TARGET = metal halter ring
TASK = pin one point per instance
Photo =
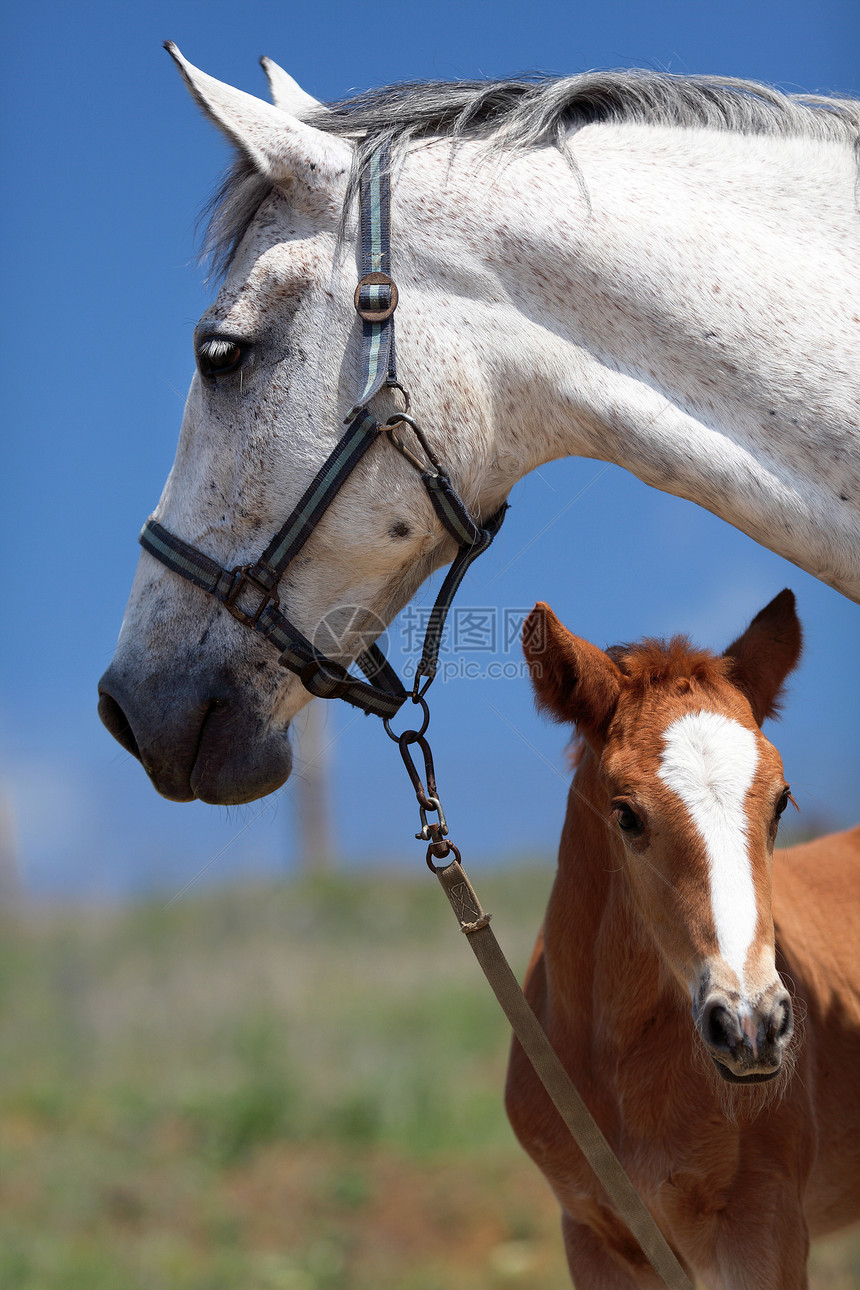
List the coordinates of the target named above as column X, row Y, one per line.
column 395, row 385
column 437, row 868
column 416, row 734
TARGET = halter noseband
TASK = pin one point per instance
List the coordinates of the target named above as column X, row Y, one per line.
column 250, row 591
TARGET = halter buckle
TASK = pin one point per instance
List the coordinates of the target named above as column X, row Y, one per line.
column 375, row 297
column 241, row 575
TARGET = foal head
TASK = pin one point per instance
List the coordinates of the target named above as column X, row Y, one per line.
column 692, row 792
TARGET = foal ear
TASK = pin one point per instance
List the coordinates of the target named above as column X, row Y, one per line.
column 287, row 94
column 280, row 146
column 573, row 680
column 766, row 653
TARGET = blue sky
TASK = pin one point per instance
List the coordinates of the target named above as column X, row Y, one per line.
column 107, row 163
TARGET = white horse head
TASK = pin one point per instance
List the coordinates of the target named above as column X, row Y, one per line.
column 577, row 274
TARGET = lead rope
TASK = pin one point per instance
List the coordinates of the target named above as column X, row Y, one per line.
column 475, row 923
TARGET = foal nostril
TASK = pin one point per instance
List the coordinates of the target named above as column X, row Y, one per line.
column 117, row 723
column 718, row 1027
column 781, row 1021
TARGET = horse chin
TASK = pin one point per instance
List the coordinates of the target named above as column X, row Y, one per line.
column 225, row 774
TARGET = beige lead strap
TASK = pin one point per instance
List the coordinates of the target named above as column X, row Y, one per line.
column 570, row 1106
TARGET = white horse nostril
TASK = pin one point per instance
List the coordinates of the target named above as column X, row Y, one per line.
column 115, row 720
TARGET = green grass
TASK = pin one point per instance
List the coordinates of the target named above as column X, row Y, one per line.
column 295, row 1087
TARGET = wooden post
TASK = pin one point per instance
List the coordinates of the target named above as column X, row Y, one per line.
column 10, row 876
column 313, row 797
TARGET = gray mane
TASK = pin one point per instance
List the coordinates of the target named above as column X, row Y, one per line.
column 534, row 112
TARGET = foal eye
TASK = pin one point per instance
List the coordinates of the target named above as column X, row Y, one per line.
column 217, row 357
column 784, row 799
column 627, row 819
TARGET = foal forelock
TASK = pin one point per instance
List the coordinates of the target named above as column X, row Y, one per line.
column 709, row 762
column 535, row 112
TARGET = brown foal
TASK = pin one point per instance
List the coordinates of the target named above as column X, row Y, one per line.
column 703, row 994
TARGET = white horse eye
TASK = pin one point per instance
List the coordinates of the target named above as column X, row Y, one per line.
column 217, row 357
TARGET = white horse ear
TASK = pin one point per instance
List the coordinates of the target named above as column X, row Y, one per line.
column 286, row 93
column 281, row 147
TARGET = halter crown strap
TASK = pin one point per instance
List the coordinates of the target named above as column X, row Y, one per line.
column 376, row 293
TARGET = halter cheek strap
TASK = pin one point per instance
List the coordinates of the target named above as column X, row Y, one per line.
column 250, row 592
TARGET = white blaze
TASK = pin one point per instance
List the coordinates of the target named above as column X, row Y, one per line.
column 709, row 761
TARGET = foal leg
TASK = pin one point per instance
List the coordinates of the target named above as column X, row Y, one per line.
column 763, row 1248
column 592, row 1267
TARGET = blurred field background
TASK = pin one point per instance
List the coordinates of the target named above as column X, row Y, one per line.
column 297, row 1086
column 286, row 1087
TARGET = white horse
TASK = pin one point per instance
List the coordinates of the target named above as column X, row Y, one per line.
column 651, row 270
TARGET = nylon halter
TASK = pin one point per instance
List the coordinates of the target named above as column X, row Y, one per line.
column 250, row 591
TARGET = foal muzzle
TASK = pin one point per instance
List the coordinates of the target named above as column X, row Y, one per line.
column 747, row 1042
